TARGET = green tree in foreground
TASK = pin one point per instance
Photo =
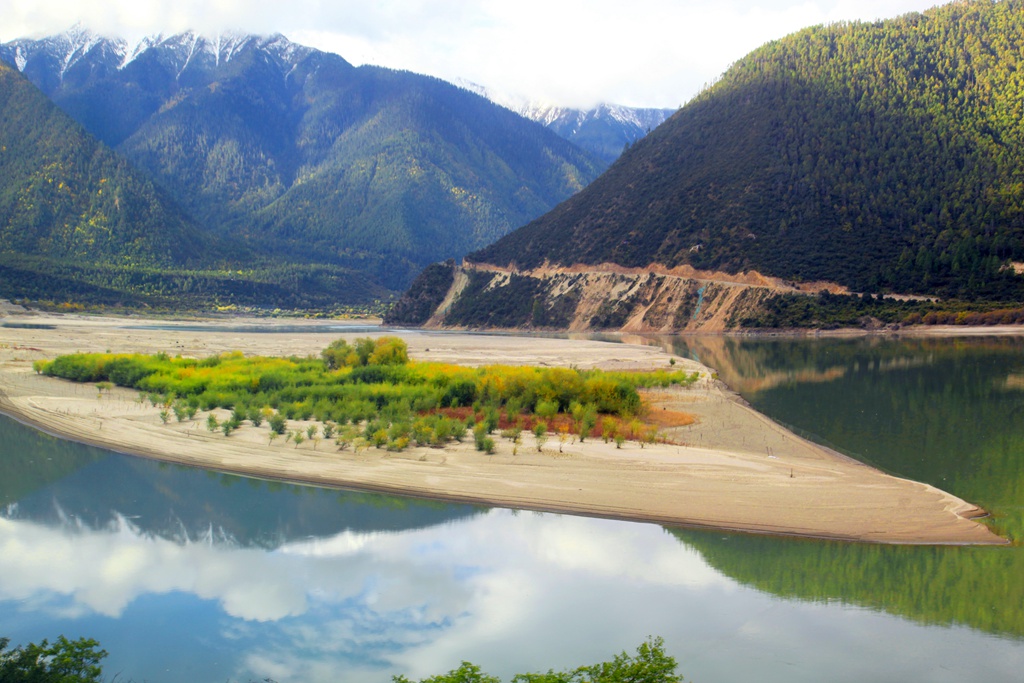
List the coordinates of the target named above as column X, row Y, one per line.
column 78, row 661
column 66, row 661
column 650, row 664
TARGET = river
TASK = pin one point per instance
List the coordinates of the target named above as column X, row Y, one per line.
column 189, row 575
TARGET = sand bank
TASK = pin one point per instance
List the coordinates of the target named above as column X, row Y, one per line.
column 733, row 469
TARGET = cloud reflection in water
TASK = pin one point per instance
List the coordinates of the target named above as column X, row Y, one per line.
column 411, row 600
column 512, row 592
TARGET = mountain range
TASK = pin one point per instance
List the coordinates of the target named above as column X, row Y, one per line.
column 289, row 153
column 78, row 223
column 605, row 130
column 882, row 157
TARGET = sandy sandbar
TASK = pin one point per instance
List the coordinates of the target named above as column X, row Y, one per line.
column 734, row 469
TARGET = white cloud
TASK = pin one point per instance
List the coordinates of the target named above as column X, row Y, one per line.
column 104, row 571
column 575, row 52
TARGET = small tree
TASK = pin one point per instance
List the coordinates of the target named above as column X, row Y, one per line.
column 255, row 416
column 491, row 418
column 636, row 430
column 481, row 439
column 278, row 423
column 609, row 428
column 336, row 355
column 576, row 409
column 442, row 431
column 513, row 407
column 346, row 435
column 389, row 351
column 363, row 349
column 587, row 421
column 180, row 409
column 459, row 429
column 540, row 432
column 211, row 422
column 512, row 433
column 422, row 431
column 546, row 409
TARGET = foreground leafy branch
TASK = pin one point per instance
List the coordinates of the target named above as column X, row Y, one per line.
column 78, row 661
column 65, row 661
column 650, row 664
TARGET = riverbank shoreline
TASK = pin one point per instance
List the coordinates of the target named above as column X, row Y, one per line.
column 732, row 470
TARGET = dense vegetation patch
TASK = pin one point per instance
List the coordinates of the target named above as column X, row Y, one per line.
column 831, row 311
column 369, row 390
column 262, row 285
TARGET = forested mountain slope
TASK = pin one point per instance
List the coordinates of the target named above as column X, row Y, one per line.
column 884, row 156
column 300, row 154
column 79, row 224
column 65, row 195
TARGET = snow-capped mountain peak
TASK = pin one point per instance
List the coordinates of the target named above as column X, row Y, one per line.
column 603, row 130
column 63, row 52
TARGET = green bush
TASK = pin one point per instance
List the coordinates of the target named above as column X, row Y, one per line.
column 650, row 664
column 66, row 661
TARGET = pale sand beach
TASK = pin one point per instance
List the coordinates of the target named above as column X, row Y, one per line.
column 733, row 469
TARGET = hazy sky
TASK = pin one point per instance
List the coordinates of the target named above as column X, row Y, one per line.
column 570, row 52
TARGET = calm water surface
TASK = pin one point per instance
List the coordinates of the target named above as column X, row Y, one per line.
column 187, row 575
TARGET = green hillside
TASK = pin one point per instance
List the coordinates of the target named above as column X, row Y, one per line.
column 66, row 196
column 79, row 224
column 425, row 172
column 884, row 156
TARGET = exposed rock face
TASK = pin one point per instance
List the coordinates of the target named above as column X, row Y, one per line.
column 587, row 298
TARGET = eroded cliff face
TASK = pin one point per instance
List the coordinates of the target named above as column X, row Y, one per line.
column 597, row 298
